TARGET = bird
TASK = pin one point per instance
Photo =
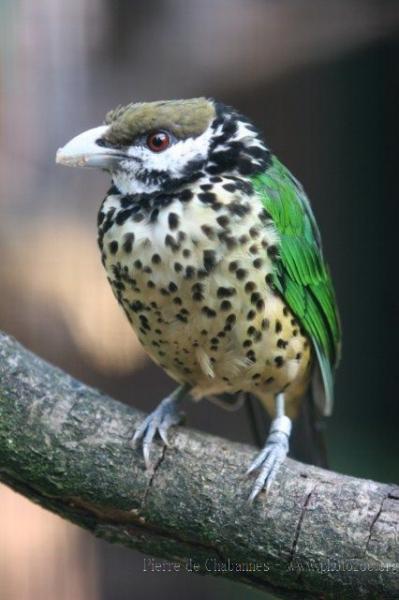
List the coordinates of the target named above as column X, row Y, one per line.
column 213, row 252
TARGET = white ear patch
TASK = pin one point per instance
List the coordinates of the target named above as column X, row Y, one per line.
column 173, row 161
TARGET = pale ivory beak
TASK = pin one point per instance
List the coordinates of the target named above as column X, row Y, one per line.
column 82, row 151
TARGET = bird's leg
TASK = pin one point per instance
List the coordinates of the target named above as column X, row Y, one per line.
column 159, row 421
column 274, row 451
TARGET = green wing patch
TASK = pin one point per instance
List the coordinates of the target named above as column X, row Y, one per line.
column 301, row 274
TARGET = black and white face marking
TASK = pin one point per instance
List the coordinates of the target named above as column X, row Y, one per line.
column 160, row 159
column 145, row 169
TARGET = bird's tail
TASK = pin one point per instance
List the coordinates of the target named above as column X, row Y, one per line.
column 308, row 442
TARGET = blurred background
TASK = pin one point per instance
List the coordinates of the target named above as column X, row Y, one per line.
column 321, row 80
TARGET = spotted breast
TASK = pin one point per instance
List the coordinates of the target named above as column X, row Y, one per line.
column 192, row 271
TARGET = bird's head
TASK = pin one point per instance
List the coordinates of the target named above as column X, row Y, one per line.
column 158, row 146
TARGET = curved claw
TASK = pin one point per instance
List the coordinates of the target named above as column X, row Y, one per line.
column 268, row 462
column 169, row 421
column 158, row 422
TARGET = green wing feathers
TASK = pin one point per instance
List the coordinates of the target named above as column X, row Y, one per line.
column 301, row 274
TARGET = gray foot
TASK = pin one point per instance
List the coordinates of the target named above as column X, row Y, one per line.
column 271, row 457
column 158, row 422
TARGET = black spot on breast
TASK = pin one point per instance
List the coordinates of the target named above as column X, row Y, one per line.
column 128, row 242
column 173, row 220
column 113, row 247
column 282, row 344
column 233, row 266
column 225, row 305
column 172, row 287
column 278, row 327
column 250, row 286
column 238, row 209
column 229, row 240
column 272, row 252
column 251, row 355
column 257, row 263
column 255, row 297
column 241, row 274
column 156, row 259
column 254, row 232
column 197, row 291
column 198, row 297
column 138, row 264
column 209, row 259
column 223, row 220
column 260, row 305
column 206, row 187
column 185, row 195
column 181, row 318
column 209, row 312
column 207, row 197
column 137, row 218
column 279, row 361
column 171, row 242
column 226, row 292
column 229, row 187
column 251, row 315
column 209, row 232
column 178, row 267
column 190, row 272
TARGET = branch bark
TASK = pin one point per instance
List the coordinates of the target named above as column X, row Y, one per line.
column 317, row 534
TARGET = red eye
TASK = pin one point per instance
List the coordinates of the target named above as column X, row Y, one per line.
column 158, row 141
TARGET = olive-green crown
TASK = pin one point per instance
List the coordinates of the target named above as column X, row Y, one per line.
column 183, row 118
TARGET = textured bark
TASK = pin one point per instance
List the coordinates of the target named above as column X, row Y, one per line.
column 316, row 535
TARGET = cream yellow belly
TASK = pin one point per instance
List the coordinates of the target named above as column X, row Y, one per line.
column 200, row 300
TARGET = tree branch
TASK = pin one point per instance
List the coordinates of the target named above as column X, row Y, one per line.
column 317, row 534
